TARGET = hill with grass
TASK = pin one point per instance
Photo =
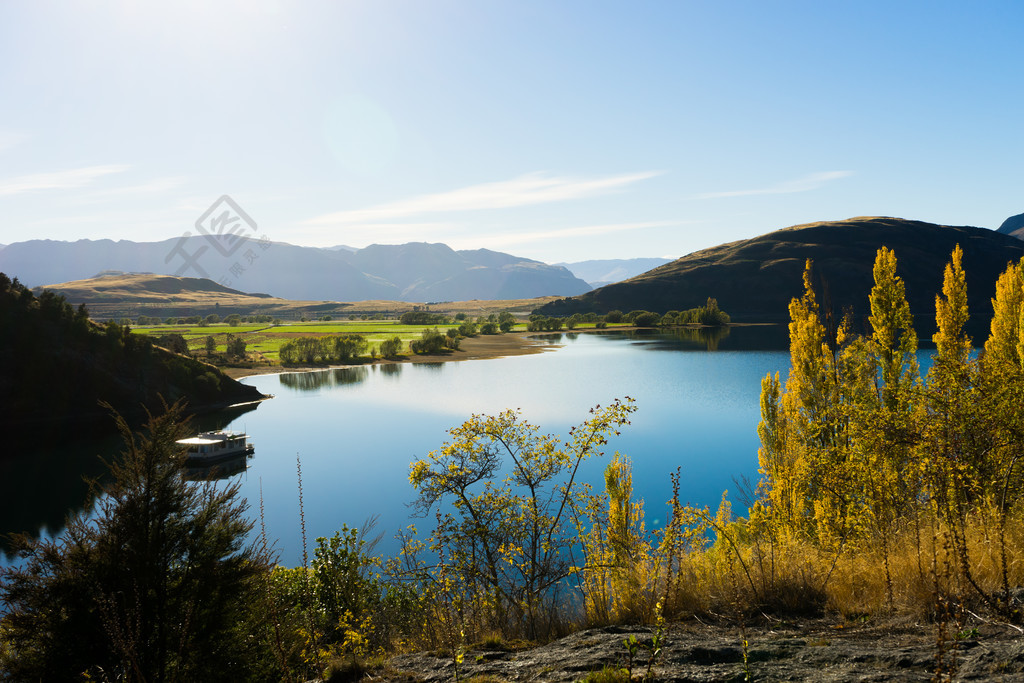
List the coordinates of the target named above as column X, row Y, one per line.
column 754, row 280
column 56, row 366
column 116, row 295
column 416, row 271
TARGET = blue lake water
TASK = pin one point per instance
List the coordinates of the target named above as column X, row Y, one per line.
column 357, row 429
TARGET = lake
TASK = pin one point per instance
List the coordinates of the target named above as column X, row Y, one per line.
column 355, row 430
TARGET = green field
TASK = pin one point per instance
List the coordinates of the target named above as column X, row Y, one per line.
column 263, row 341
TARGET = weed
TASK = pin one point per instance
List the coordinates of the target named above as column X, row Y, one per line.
column 608, row 674
column 632, row 649
column 967, row 634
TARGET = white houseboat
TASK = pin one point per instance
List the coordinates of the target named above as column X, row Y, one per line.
column 208, row 448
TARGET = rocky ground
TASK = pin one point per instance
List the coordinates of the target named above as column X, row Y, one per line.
column 816, row 650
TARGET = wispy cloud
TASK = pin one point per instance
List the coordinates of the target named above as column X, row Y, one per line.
column 805, row 184
column 153, row 186
column 513, row 238
column 533, row 188
column 58, row 180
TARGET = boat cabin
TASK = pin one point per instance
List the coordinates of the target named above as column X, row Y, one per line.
column 216, row 445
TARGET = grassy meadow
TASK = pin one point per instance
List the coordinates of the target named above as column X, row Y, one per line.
column 263, row 341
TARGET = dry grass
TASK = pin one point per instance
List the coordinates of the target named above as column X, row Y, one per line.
column 792, row 577
column 131, row 295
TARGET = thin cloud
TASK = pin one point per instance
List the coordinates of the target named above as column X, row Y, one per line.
column 158, row 185
column 526, row 190
column 805, row 184
column 380, row 233
column 58, row 180
column 152, row 187
column 508, row 239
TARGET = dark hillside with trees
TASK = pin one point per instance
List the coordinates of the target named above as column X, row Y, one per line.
column 754, row 280
column 57, row 366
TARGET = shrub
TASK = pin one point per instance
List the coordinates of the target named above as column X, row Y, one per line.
column 430, row 341
column 390, row 348
column 423, row 318
column 502, row 545
column 645, row 318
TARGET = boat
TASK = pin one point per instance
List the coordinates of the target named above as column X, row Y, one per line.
column 209, row 448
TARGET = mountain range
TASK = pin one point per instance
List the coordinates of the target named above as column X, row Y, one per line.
column 753, row 280
column 600, row 272
column 416, row 271
column 1014, row 226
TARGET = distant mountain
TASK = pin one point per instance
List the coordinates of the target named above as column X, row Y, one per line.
column 341, row 247
column 1014, row 226
column 754, row 280
column 598, row 273
column 407, row 272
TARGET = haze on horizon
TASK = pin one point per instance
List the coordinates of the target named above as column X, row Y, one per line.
column 555, row 131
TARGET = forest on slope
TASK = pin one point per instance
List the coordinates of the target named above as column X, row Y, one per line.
column 57, row 366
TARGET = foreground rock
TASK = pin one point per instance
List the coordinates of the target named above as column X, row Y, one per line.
column 818, row 650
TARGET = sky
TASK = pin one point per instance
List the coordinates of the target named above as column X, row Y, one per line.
column 559, row 130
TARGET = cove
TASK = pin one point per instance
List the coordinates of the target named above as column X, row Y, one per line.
column 355, row 430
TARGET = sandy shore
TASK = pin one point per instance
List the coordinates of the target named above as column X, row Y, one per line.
column 472, row 348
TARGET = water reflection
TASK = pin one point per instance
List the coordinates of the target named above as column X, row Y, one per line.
column 222, row 470
column 552, row 339
column 43, row 480
column 745, row 338
column 390, row 369
column 432, row 365
column 320, row 379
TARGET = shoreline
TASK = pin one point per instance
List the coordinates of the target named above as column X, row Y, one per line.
column 481, row 347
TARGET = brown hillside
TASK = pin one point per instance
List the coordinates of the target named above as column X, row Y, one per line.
column 129, row 295
column 754, row 280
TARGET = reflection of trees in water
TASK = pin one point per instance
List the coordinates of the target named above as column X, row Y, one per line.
column 436, row 367
column 390, row 369
column 550, row 339
column 680, row 338
column 41, row 482
column 311, row 381
column 742, row 338
column 708, row 337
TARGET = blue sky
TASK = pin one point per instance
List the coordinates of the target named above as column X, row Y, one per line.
column 553, row 129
